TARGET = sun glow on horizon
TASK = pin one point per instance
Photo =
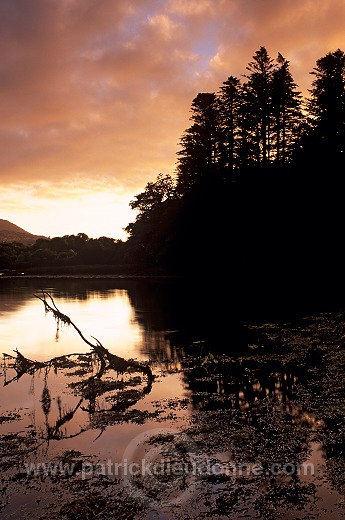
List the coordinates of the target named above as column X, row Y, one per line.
column 96, row 214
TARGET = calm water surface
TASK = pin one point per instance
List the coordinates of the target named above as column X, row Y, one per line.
column 115, row 316
column 62, row 411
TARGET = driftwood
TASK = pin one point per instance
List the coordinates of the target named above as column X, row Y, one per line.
column 117, row 363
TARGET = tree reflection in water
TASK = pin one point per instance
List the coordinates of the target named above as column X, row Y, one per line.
column 105, row 384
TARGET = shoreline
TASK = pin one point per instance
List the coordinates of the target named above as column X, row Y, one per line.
column 89, row 276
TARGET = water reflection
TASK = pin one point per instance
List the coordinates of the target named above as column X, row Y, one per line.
column 103, row 313
column 66, row 393
column 140, row 309
column 246, row 386
column 76, row 383
column 152, row 321
column 241, row 384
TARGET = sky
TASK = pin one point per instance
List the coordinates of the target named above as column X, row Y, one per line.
column 95, row 94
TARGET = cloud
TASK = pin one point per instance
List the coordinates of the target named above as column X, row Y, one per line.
column 90, row 88
column 301, row 31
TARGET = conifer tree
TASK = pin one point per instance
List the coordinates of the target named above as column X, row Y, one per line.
column 257, row 103
column 199, row 155
column 327, row 104
column 229, row 107
column 286, row 111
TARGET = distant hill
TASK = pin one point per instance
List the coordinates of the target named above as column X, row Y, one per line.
column 11, row 233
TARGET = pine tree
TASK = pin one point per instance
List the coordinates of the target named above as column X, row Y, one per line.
column 199, row 155
column 258, row 103
column 327, row 104
column 229, row 107
column 286, row 111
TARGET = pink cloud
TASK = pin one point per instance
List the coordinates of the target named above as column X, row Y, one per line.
column 102, row 89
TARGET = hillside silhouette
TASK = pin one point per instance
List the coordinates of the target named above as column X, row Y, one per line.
column 11, row 233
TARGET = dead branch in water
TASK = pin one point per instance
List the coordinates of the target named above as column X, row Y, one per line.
column 117, row 363
column 23, row 366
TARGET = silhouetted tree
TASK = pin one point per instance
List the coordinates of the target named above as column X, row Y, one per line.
column 257, row 103
column 13, row 254
column 199, row 155
column 154, row 194
column 153, row 226
column 229, row 107
column 327, row 104
column 286, row 111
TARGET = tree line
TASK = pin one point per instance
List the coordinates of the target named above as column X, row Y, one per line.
column 62, row 253
column 260, row 124
column 259, row 178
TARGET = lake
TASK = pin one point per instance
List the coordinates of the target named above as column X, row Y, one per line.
column 219, row 431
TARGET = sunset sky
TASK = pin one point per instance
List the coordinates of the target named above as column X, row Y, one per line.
column 95, row 94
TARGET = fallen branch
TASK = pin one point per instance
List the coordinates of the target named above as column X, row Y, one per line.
column 117, row 363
